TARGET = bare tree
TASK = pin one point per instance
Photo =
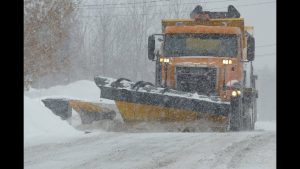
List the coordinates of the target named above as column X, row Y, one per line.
column 175, row 7
column 107, row 41
column 104, row 40
column 46, row 30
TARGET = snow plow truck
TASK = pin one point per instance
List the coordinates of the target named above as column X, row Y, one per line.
column 203, row 74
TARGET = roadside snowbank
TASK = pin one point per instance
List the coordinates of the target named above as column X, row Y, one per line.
column 41, row 125
column 82, row 90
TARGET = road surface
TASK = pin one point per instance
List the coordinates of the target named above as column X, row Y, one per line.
column 168, row 150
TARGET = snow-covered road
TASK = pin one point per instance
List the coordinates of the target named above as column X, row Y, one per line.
column 158, row 150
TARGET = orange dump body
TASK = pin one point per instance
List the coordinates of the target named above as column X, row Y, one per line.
column 203, row 29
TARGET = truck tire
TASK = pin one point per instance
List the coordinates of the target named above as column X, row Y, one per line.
column 249, row 114
column 235, row 119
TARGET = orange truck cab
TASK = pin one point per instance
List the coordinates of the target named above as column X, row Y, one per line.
column 204, row 54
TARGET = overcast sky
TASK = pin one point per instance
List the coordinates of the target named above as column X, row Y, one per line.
column 262, row 15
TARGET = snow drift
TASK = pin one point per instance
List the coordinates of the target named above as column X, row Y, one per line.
column 81, row 90
column 41, row 125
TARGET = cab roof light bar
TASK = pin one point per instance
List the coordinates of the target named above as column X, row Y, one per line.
column 232, row 13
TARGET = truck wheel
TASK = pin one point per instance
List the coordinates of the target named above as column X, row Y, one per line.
column 235, row 119
column 255, row 112
column 249, row 116
column 248, row 120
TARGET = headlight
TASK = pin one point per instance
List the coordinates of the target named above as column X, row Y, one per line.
column 234, row 93
column 165, row 60
column 239, row 92
column 226, row 62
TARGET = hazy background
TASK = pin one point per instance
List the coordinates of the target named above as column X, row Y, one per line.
column 109, row 37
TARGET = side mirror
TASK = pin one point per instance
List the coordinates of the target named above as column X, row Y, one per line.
column 250, row 48
column 151, row 47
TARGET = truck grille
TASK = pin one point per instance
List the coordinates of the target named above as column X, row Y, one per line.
column 196, row 79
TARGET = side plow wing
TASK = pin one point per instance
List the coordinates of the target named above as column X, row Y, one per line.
column 88, row 111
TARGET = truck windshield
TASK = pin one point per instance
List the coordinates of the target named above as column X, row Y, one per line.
column 200, row 45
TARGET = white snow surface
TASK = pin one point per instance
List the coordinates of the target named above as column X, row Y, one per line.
column 244, row 150
column 52, row 143
column 41, row 125
column 81, row 90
